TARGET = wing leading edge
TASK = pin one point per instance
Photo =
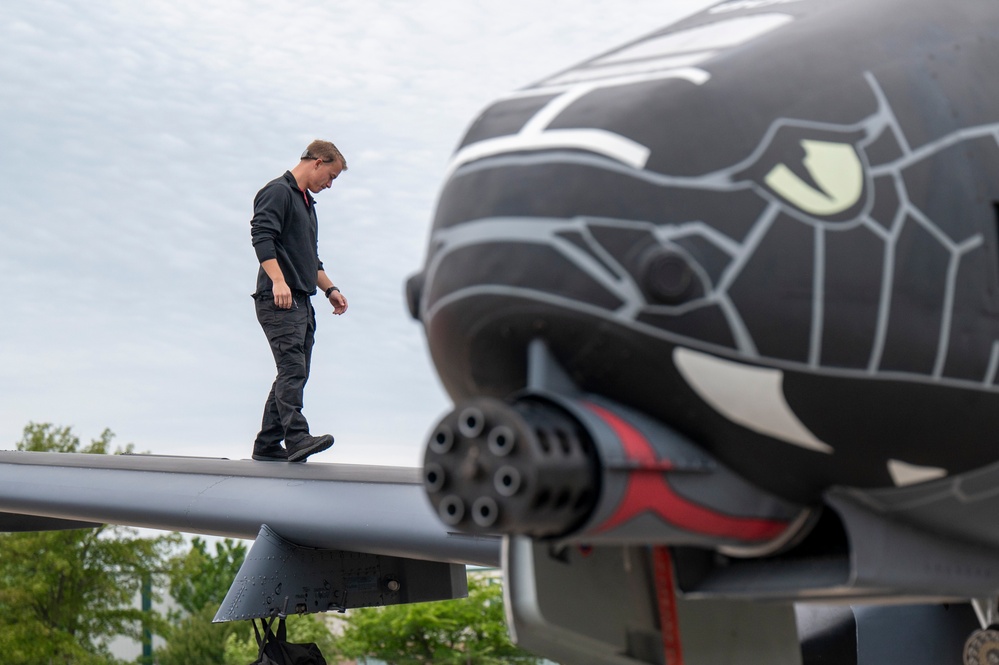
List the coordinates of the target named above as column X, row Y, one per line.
column 369, row 509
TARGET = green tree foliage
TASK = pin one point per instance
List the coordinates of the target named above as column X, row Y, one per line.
column 198, row 578
column 47, row 438
column 468, row 631
column 195, row 640
column 199, row 582
column 65, row 594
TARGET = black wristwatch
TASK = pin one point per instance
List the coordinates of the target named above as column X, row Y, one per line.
column 331, row 290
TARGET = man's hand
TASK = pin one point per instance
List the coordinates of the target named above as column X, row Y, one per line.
column 338, row 301
column 282, row 295
column 279, row 287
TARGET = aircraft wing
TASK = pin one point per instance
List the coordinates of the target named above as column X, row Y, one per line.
column 352, row 535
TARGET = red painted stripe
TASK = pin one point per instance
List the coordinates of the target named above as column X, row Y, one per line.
column 648, row 491
column 669, row 619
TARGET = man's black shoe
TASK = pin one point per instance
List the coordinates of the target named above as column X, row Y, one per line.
column 270, row 454
column 297, row 452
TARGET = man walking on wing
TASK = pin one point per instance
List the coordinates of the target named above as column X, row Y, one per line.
column 284, row 230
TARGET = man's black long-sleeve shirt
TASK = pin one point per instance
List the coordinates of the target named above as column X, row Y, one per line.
column 284, row 227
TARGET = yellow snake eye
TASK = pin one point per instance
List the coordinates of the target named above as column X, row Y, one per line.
column 834, row 167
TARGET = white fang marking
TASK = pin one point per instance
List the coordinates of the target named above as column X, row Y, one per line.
column 903, row 473
column 750, row 396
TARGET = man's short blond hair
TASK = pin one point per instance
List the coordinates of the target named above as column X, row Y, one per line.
column 325, row 151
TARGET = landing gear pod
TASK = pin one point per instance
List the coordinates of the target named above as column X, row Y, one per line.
column 583, row 469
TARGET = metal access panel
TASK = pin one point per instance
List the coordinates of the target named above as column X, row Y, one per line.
column 617, row 605
column 280, row 576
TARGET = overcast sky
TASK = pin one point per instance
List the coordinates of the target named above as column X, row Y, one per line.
column 133, row 137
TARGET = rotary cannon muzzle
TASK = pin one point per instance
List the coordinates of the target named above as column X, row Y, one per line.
column 527, row 468
column 586, row 470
